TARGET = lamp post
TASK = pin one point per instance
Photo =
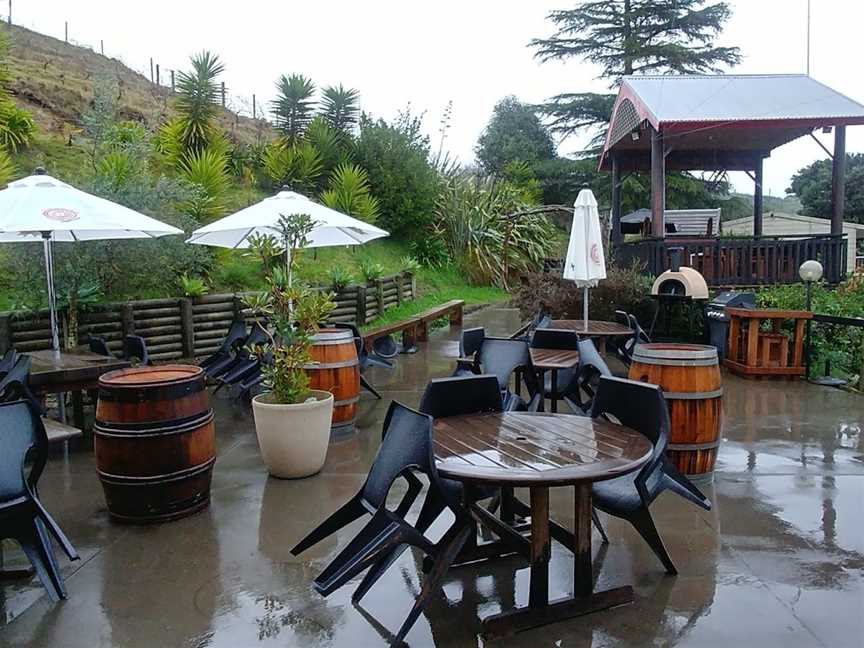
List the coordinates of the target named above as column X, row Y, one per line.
column 809, row 272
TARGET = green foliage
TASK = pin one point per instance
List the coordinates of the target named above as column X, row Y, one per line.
column 840, row 345
column 340, row 278
column 631, row 37
column 340, row 108
column 196, row 102
column 192, row 286
column 411, row 264
column 371, row 270
column 8, row 170
column 513, row 134
column 207, row 172
column 116, row 168
column 348, row 192
column 237, row 274
column 16, row 126
column 520, row 175
column 812, row 185
column 332, row 146
column 294, row 105
column 401, row 177
column 430, row 251
column 293, row 310
column 475, row 219
column 296, row 165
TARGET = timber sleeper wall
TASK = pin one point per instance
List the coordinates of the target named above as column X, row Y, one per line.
column 182, row 327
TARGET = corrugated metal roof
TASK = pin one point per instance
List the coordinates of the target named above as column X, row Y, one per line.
column 739, row 98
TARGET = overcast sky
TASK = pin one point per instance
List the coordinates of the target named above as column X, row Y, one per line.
column 472, row 52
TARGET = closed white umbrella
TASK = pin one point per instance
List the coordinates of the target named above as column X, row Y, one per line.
column 330, row 226
column 585, row 264
column 42, row 207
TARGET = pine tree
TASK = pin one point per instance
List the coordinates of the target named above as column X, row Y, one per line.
column 631, row 37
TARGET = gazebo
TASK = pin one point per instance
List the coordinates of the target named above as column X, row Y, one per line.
column 726, row 123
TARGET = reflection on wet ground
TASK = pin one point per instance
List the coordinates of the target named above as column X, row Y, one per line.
column 779, row 561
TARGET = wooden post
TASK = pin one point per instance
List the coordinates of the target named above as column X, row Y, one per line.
column 10, row 12
column 658, row 185
column 360, row 316
column 757, row 198
column 127, row 319
column 398, row 280
column 157, row 74
column 616, row 236
column 223, row 94
column 838, row 180
column 379, row 295
column 254, row 116
column 66, row 31
column 151, row 70
column 413, row 286
column 187, row 328
column 102, row 47
column 172, row 80
column 5, row 333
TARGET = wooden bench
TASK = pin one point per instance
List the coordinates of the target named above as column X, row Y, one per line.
column 58, row 432
column 416, row 329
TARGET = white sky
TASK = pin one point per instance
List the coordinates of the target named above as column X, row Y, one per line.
column 472, row 52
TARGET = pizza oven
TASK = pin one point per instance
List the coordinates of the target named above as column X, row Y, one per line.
column 680, row 282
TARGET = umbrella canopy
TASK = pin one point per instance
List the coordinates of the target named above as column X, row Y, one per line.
column 585, row 264
column 262, row 218
column 42, row 206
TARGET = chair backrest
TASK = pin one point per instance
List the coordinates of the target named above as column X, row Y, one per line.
column 548, row 338
column 257, row 336
column 235, row 333
column 590, row 357
column 8, row 361
column 406, row 444
column 134, row 346
column 461, row 395
column 98, row 345
column 470, row 341
column 22, row 437
column 640, row 334
column 362, row 354
column 639, row 406
column 501, row 357
column 14, row 378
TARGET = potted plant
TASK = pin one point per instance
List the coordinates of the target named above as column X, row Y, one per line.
column 292, row 421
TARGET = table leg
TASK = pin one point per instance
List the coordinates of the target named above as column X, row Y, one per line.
column 553, row 406
column 78, row 409
column 541, row 548
column 583, row 579
column 517, row 377
column 542, row 406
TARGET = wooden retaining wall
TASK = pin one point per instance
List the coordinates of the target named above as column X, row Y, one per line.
column 180, row 327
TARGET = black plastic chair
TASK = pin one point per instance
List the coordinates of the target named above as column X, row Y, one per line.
column 22, row 516
column 623, row 347
column 8, row 361
column 640, row 406
column 591, row 367
column 407, row 445
column 226, row 350
column 470, row 341
column 365, row 359
column 135, row 348
column 242, row 356
column 501, row 358
column 99, row 345
column 15, row 384
column 565, row 340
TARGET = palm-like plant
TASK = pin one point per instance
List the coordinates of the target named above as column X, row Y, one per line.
column 348, row 193
column 7, row 168
column 340, row 108
column 328, row 142
column 294, row 105
column 207, row 171
column 196, row 103
column 296, row 165
column 16, row 125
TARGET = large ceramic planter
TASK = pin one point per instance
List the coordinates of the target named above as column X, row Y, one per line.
column 293, row 438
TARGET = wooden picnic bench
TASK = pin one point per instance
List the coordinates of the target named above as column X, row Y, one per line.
column 416, row 329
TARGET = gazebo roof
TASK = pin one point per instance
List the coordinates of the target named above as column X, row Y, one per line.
column 720, row 121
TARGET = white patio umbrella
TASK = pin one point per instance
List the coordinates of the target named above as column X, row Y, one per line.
column 585, row 264
column 42, row 207
column 330, row 226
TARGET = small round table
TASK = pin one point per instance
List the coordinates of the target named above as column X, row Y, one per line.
column 538, row 452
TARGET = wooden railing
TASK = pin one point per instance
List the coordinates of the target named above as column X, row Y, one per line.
column 742, row 261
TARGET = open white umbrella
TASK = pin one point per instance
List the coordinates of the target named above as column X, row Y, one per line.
column 42, row 207
column 585, row 264
column 330, row 226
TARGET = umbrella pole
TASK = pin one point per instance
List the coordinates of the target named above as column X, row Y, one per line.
column 49, row 280
column 585, row 307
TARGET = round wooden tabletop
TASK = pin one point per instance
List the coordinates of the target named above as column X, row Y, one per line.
column 598, row 328
column 535, row 449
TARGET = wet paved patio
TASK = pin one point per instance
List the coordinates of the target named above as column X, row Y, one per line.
column 778, row 561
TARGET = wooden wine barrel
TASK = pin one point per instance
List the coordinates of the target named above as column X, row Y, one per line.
column 689, row 375
column 337, row 370
column 154, row 442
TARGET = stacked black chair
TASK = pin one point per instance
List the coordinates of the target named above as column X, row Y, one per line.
column 246, row 367
column 640, row 406
column 470, row 341
column 8, row 361
column 242, row 355
column 99, row 345
column 15, row 384
column 365, row 359
column 22, row 516
column 135, row 348
column 501, row 358
column 591, row 367
column 226, row 350
column 406, row 446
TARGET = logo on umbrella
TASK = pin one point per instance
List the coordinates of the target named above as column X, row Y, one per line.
column 595, row 253
column 60, row 214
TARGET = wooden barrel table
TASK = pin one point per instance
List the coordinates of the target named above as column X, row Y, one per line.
column 337, row 370
column 154, row 442
column 689, row 375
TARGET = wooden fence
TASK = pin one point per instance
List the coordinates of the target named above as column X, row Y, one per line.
column 180, row 327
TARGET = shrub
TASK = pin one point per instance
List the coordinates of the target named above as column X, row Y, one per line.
column 7, row 168
column 339, row 278
column 410, row 264
column 623, row 289
column 237, row 274
column 296, row 165
column 192, row 286
column 16, row 126
column 401, row 177
column 430, row 251
column 371, row 270
column 348, row 193
column 206, row 170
